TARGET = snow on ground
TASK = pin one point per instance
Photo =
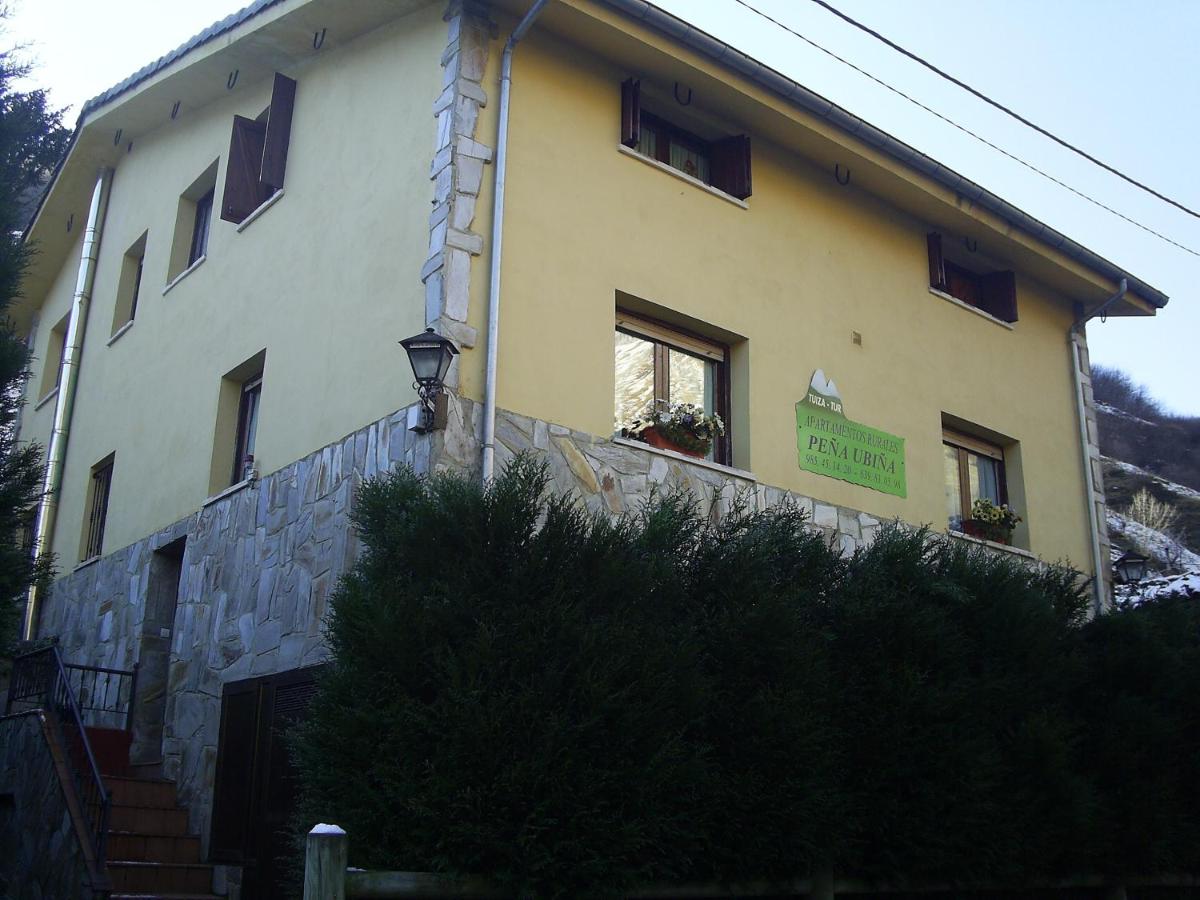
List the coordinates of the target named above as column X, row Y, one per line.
column 1178, row 490
column 1163, row 549
column 1186, row 585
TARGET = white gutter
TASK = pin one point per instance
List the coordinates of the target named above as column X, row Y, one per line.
column 68, row 378
column 1081, row 414
column 493, row 336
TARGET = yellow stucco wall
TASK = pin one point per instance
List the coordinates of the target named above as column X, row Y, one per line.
column 326, row 281
column 807, row 264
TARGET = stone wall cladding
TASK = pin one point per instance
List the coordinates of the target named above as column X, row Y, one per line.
column 457, row 173
column 40, row 856
column 613, row 477
column 257, row 571
column 1097, row 499
column 260, row 563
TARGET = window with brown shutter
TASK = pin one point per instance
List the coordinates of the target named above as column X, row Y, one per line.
column 993, row 292
column 258, row 150
column 723, row 163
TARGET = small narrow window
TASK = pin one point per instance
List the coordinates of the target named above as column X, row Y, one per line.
column 247, row 428
column 193, row 223
column 129, row 285
column 200, row 227
column 993, row 292
column 97, row 509
column 235, row 454
column 56, row 351
column 258, row 150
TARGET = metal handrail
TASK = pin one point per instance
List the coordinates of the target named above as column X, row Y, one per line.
column 42, row 675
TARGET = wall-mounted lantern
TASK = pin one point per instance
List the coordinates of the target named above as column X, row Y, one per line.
column 1130, row 567
column 430, row 356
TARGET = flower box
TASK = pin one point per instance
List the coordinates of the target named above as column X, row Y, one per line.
column 652, row 437
column 987, row 531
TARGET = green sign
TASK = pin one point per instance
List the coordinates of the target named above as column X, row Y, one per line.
column 830, row 444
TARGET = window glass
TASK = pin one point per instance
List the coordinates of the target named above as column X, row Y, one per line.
column 953, row 487
column 985, row 477
column 200, row 230
column 691, row 380
column 243, row 460
column 689, row 161
column 647, row 141
column 635, row 378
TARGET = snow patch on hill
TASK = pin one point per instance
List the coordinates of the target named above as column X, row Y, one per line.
column 1175, row 488
column 1163, row 548
column 1121, row 414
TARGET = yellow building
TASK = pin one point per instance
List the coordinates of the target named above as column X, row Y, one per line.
column 244, row 229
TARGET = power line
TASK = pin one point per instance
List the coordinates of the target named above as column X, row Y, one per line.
column 1004, row 109
column 969, row 132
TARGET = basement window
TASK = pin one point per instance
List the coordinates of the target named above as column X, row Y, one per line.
column 993, row 292
column 258, row 150
column 722, row 162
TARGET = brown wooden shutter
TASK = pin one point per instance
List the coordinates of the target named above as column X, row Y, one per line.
column 999, row 295
column 243, row 192
column 279, row 129
column 631, row 112
column 937, row 268
column 731, row 166
column 233, row 792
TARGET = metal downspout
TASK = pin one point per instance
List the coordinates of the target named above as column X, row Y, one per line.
column 1077, row 328
column 64, row 404
column 493, row 335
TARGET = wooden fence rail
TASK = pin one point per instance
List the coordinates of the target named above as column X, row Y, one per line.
column 326, row 877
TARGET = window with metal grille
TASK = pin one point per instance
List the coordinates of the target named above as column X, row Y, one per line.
column 97, row 511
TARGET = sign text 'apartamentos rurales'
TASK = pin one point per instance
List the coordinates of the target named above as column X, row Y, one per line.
column 830, row 444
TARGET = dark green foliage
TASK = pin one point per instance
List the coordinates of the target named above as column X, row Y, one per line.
column 31, row 141
column 570, row 705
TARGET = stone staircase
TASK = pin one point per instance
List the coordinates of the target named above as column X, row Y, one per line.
column 149, row 851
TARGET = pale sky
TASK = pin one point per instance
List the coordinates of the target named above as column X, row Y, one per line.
column 1118, row 78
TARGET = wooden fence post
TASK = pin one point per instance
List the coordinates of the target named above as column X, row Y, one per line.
column 325, row 864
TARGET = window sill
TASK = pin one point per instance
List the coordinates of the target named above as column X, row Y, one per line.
column 991, row 545
column 690, row 460
column 120, row 331
column 232, row 489
column 683, row 176
column 967, row 306
column 262, row 208
column 91, row 560
column 50, row 396
column 184, row 274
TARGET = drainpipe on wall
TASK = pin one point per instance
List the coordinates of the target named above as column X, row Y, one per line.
column 1077, row 331
column 64, row 404
column 493, row 336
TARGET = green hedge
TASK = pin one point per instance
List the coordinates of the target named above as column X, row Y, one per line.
column 571, row 705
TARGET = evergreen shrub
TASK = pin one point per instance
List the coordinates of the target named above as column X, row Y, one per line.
column 570, row 705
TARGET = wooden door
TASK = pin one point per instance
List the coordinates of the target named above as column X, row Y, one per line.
column 255, row 788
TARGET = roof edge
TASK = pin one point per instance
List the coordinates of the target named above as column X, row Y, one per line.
column 808, row 100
